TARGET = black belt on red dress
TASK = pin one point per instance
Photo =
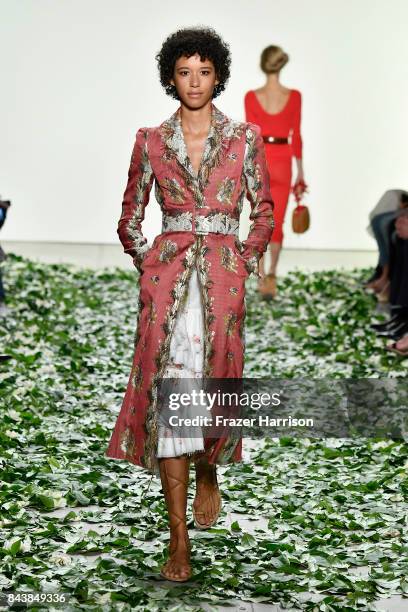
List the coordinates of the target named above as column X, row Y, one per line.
column 275, row 140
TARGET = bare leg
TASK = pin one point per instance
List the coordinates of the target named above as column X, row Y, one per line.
column 276, row 248
column 174, row 473
column 267, row 283
column 261, row 264
column 208, row 499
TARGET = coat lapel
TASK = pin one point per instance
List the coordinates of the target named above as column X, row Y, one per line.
column 217, row 139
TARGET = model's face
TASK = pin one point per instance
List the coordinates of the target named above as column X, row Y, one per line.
column 194, row 80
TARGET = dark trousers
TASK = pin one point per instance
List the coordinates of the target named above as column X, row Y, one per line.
column 398, row 269
column 2, row 293
column 380, row 226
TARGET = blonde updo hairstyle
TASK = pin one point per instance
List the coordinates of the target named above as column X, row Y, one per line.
column 273, row 59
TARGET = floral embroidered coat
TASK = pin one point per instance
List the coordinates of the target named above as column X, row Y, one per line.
column 233, row 167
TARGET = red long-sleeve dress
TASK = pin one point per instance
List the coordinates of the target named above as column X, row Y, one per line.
column 284, row 124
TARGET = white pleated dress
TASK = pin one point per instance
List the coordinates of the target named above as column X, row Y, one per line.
column 185, row 361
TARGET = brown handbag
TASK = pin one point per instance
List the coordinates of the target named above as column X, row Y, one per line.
column 300, row 215
column 300, row 219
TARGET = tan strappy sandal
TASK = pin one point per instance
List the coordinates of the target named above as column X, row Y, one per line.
column 209, row 525
column 175, row 484
column 196, row 513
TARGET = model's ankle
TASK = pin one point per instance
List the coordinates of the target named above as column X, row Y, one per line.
column 179, row 533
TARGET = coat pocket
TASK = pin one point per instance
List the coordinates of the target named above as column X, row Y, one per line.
column 251, row 264
column 149, row 253
column 238, row 252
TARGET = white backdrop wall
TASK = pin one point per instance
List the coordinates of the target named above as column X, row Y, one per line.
column 78, row 78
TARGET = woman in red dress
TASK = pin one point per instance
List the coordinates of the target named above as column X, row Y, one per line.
column 191, row 315
column 277, row 110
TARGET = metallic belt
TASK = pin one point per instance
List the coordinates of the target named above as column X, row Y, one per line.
column 218, row 223
column 275, row 140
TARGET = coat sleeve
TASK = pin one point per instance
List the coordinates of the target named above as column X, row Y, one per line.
column 258, row 192
column 135, row 200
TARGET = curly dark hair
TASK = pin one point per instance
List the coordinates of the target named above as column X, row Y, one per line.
column 189, row 41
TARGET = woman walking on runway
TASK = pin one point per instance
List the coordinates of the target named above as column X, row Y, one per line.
column 277, row 110
column 192, row 279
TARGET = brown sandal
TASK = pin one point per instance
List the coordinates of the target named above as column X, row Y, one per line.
column 207, row 525
column 200, row 525
column 175, row 477
column 267, row 286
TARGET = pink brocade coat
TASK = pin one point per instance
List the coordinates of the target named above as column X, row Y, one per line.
column 233, row 167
